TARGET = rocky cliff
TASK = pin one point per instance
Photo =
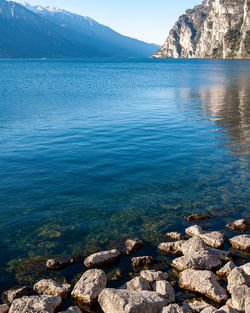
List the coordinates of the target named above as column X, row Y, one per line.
column 214, row 29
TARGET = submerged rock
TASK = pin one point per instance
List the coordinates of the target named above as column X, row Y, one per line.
column 241, row 242
column 152, row 276
column 212, row 238
column 115, row 274
column 203, row 282
column 35, row 304
column 239, row 225
column 137, row 283
column 171, row 247
column 226, row 269
column 4, row 308
column 89, row 286
column 197, row 217
column 126, row 301
column 132, row 245
column 101, row 258
column 164, row 288
column 72, row 309
column 175, row 308
column 174, row 235
column 10, row 295
column 142, row 261
column 59, row 263
column 53, row 288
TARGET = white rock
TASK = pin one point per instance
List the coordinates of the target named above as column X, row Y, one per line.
column 226, row 269
column 72, row 309
column 212, row 238
column 164, row 288
column 204, row 282
column 239, row 225
column 4, row 308
column 151, row 275
column 52, row 288
column 241, row 242
column 35, row 304
column 238, row 276
column 132, row 245
column 193, row 245
column 137, row 283
column 10, row 295
column 174, row 235
column 126, row 301
column 89, row 286
column 102, row 258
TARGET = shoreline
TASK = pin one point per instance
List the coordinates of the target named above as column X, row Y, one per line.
column 134, row 270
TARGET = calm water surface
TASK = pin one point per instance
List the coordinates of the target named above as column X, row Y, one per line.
column 94, row 150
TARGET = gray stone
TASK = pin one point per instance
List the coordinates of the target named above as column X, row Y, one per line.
column 59, row 263
column 203, row 282
column 226, row 269
column 10, row 295
column 223, row 309
column 175, row 308
column 35, row 304
column 101, row 258
column 239, row 225
column 4, row 308
column 193, row 245
column 127, row 301
column 198, row 260
column 142, row 261
column 238, row 276
column 152, row 276
column 89, row 286
column 52, row 288
column 221, row 254
column 137, row 283
column 212, row 238
column 197, row 306
column 164, row 288
column 174, row 235
column 240, row 297
column 132, row 245
column 72, row 309
column 241, row 242
column 171, row 247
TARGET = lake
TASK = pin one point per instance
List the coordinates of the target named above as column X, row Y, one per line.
column 96, row 150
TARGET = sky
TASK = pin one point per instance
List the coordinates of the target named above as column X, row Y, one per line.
column 147, row 20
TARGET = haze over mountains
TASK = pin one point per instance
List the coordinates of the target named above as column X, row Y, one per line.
column 37, row 32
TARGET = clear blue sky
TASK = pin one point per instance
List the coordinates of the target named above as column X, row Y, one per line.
column 148, row 20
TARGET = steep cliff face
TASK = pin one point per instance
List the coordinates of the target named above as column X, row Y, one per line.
column 214, row 29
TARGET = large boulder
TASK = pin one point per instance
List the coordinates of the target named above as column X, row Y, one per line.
column 35, row 304
column 137, row 283
column 132, row 245
column 212, row 238
column 193, row 245
column 152, row 275
column 101, row 258
column 10, row 295
column 203, row 282
column 199, row 261
column 238, row 276
column 126, row 301
column 89, row 286
column 241, row 242
column 52, row 288
column 164, row 288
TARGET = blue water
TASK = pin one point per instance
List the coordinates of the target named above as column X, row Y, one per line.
column 93, row 150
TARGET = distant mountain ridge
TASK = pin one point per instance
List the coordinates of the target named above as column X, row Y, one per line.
column 214, row 29
column 36, row 32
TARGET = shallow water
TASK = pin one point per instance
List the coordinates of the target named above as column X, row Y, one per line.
column 95, row 150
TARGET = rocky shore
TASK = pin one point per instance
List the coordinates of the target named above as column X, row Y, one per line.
column 203, row 278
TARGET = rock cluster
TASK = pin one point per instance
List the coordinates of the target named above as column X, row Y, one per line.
column 200, row 269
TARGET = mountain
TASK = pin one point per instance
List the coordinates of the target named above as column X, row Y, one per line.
column 214, row 29
column 37, row 32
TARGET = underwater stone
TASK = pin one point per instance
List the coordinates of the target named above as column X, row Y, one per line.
column 204, row 282
column 212, row 238
column 132, row 245
column 137, row 283
column 10, row 295
column 142, row 261
column 52, row 288
column 239, row 225
column 59, row 263
column 127, row 301
column 241, row 242
column 89, row 286
column 164, row 288
column 197, row 217
column 116, row 274
column 152, row 276
column 101, row 258
column 35, row 304
column 174, row 235
column 171, row 247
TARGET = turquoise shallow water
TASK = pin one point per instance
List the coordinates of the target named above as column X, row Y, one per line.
column 94, row 150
